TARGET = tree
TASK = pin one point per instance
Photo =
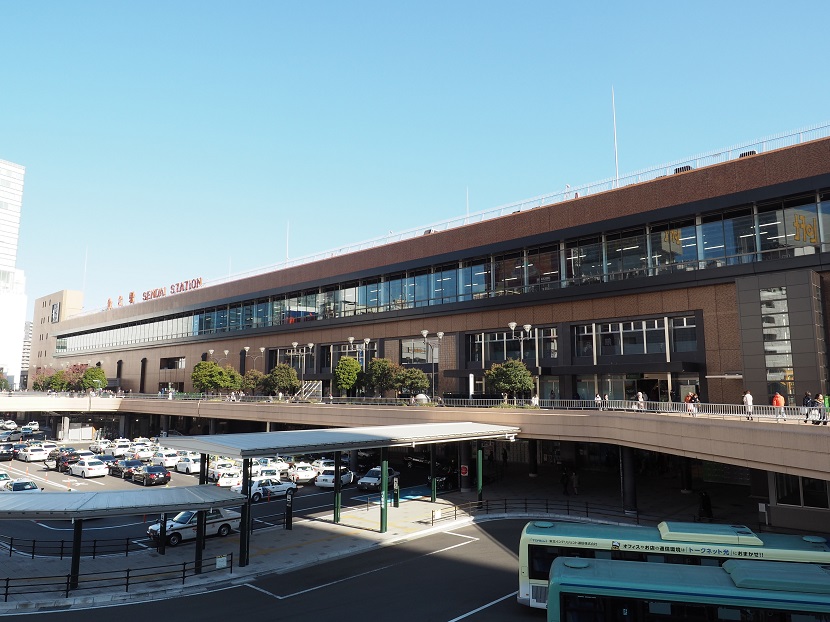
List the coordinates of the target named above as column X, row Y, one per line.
column 411, row 380
column 207, row 376
column 231, row 379
column 42, row 382
column 253, row 382
column 57, row 382
column 510, row 377
column 93, row 378
column 346, row 372
column 282, row 379
column 72, row 378
column 380, row 375
column 4, row 382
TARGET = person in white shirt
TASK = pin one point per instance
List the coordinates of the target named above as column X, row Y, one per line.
column 748, row 404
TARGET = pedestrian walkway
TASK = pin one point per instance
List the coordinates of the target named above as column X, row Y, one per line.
column 312, row 541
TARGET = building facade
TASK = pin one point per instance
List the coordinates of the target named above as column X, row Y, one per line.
column 708, row 278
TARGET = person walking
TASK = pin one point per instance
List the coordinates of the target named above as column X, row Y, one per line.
column 807, row 406
column 819, row 411
column 640, row 401
column 598, row 401
column 575, row 482
column 565, row 480
column 748, row 404
column 779, row 403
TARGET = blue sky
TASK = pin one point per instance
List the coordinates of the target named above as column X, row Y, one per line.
column 171, row 140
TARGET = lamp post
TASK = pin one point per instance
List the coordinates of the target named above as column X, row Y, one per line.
column 254, row 358
column 301, row 351
column 526, row 334
column 428, row 346
column 358, row 348
column 224, row 358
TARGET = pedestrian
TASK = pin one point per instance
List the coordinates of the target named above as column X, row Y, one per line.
column 779, row 403
column 819, row 411
column 575, row 482
column 598, row 401
column 695, row 404
column 504, row 457
column 806, row 405
column 605, row 401
column 748, row 404
column 640, row 401
column 565, row 481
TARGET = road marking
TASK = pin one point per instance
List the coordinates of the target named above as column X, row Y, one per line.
column 461, row 535
column 357, row 576
column 483, row 607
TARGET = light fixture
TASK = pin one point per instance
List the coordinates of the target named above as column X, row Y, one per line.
column 210, row 352
column 425, row 332
column 246, row 348
column 351, row 340
column 511, row 325
column 294, row 344
column 527, row 327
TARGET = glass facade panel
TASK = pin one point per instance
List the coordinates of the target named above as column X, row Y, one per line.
column 684, row 334
column 550, row 347
column 543, row 267
column 814, row 492
column 739, row 236
column 584, row 340
column 583, row 261
column 494, row 347
column 509, row 274
column 610, row 342
column 634, row 338
column 787, row 490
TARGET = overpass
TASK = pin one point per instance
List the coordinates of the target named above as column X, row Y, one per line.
column 791, row 447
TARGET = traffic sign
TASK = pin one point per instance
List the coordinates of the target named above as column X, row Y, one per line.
column 464, row 470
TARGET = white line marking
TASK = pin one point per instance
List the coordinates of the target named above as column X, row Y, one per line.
column 363, row 574
column 483, row 607
column 461, row 535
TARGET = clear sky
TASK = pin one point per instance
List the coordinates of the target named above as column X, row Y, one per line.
column 169, row 140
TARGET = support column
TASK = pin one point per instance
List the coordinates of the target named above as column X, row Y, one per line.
column 384, row 488
column 479, row 471
column 337, row 485
column 628, row 480
column 211, row 426
column 75, row 567
column 532, row 457
column 245, row 523
column 433, row 486
column 464, row 463
column 686, row 475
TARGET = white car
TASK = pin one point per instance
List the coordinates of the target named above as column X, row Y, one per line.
column 302, row 473
column 100, row 446
column 266, row 487
column 9, row 425
column 4, row 477
column 34, row 425
column 120, row 449
column 371, row 481
column 85, row 454
column 33, row 453
column 218, row 521
column 228, row 480
column 223, row 467
column 322, row 464
column 141, row 452
column 20, row 485
column 326, row 478
column 91, row 467
column 166, row 458
column 188, row 464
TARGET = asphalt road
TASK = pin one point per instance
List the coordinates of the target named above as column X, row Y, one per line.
column 464, row 574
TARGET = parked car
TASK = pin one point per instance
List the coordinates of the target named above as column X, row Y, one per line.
column 62, row 462
column 265, row 487
column 107, row 459
column 9, row 425
column 220, row 468
column 6, row 452
column 85, row 454
column 33, row 453
column 125, row 468
column 166, row 458
column 302, row 473
column 322, row 463
column 141, row 452
column 88, row 467
column 4, row 477
column 100, row 446
column 326, row 478
column 13, row 435
column 372, row 479
column 188, row 464
column 17, row 448
column 219, row 521
column 151, row 475
column 120, row 448
column 34, row 425
column 227, row 480
column 21, row 485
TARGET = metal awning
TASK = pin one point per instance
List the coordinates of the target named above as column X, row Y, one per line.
column 262, row 444
column 69, row 505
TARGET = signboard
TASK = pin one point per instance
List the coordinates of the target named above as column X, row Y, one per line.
column 465, row 471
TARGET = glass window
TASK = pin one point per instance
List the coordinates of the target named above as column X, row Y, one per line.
column 786, row 489
column 609, row 339
column 509, row 273
column 684, row 335
column 494, row 347
column 714, row 247
column 421, row 288
column 444, row 281
column 543, row 267
column 627, row 254
column 674, row 246
column 739, row 236
column 550, row 348
column 655, row 336
column 235, row 317
column 474, row 279
column 634, row 339
column 815, row 492
column 584, row 340
column 583, row 261
column 473, row 348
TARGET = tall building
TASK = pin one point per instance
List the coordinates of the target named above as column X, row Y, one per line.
column 27, row 354
column 12, row 280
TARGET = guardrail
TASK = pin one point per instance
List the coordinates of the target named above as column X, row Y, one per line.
column 129, row 578
column 63, row 548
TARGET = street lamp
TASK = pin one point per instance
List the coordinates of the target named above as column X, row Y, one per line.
column 224, row 358
column 258, row 356
column 524, row 335
column 364, row 360
column 431, row 346
column 301, row 351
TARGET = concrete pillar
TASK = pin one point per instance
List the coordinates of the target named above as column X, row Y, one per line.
column 465, row 461
column 685, row 475
column 212, row 426
column 532, row 457
column 628, row 480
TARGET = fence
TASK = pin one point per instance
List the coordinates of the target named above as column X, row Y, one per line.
column 129, row 578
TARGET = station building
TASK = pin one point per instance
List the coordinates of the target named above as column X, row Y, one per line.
column 707, row 276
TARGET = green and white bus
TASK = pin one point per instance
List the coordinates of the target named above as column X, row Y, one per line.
column 669, row 543
column 602, row 590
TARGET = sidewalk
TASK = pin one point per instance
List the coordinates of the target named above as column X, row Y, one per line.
column 311, row 541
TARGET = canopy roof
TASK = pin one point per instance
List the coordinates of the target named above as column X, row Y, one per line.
column 262, row 444
column 63, row 505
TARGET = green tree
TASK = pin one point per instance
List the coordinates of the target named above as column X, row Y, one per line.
column 511, row 377
column 72, row 378
column 207, row 376
column 4, row 382
column 57, row 382
column 411, row 380
column 346, row 373
column 89, row 378
column 253, row 382
column 380, row 376
column 231, row 379
column 282, row 379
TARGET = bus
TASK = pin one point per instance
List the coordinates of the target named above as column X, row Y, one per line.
column 603, row 590
column 670, row 542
